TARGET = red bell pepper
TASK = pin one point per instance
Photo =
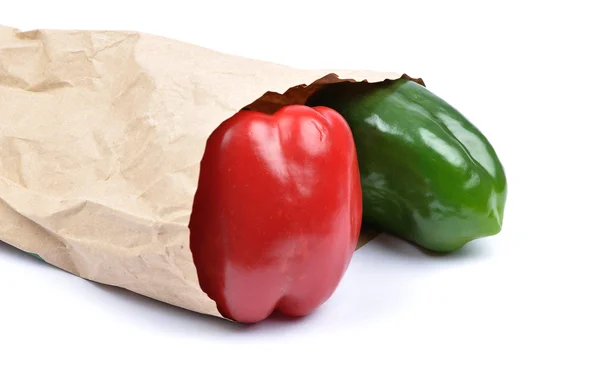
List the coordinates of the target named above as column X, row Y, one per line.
column 277, row 214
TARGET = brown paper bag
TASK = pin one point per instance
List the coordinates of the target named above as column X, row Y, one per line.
column 101, row 138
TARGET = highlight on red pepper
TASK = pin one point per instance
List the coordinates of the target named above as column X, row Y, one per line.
column 277, row 214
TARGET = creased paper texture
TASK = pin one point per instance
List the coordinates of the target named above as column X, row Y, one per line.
column 101, row 138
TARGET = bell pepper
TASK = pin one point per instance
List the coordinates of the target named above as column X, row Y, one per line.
column 278, row 211
column 428, row 175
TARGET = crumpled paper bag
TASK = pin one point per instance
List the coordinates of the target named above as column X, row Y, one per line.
column 101, row 138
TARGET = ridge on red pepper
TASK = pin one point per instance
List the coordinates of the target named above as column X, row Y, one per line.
column 277, row 214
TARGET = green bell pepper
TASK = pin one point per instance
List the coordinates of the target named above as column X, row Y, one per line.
column 428, row 175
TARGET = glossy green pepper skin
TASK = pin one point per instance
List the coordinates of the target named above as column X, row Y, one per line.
column 428, row 175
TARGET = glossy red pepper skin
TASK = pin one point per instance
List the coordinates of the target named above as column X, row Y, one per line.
column 277, row 214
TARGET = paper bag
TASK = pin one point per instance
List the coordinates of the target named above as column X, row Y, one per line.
column 101, row 138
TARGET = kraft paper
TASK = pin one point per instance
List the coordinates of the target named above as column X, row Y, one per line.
column 101, row 138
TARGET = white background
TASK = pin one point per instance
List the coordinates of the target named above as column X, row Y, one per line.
column 518, row 311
